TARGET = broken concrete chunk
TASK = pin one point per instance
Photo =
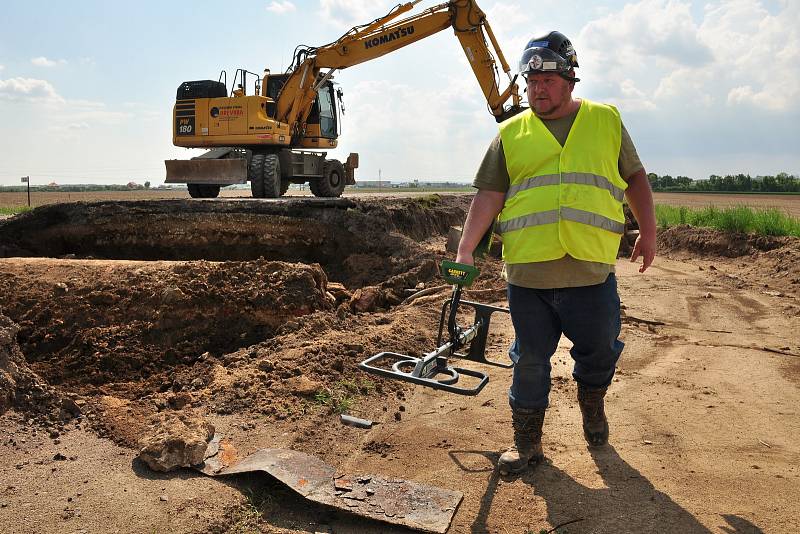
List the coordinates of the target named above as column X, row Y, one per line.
column 176, row 439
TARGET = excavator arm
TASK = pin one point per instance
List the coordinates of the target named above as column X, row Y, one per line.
column 378, row 38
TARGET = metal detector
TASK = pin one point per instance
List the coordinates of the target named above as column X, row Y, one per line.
column 432, row 369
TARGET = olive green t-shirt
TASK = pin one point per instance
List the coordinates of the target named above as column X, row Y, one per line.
column 567, row 271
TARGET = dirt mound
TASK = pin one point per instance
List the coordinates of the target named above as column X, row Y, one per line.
column 708, row 241
column 266, row 337
column 95, row 325
column 20, row 387
column 771, row 262
column 380, row 233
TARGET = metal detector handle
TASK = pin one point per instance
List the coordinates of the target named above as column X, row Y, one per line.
column 458, row 274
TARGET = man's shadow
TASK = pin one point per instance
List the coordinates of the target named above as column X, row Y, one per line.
column 628, row 504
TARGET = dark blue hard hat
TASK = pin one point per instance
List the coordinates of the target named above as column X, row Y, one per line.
column 550, row 53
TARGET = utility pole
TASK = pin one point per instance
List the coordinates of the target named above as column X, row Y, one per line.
column 379, row 181
column 27, row 180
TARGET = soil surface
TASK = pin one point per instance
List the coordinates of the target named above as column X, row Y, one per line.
column 255, row 314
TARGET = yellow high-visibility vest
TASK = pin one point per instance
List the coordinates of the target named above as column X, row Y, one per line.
column 563, row 200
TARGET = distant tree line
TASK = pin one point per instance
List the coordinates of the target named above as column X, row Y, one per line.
column 78, row 188
column 780, row 183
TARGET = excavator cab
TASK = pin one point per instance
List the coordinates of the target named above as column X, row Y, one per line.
column 322, row 125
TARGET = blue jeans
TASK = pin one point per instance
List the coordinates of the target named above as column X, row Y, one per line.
column 588, row 316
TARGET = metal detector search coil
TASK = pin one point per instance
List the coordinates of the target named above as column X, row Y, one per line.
column 432, row 369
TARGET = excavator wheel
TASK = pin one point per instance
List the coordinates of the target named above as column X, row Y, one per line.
column 203, row 190
column 332, row 182
column 265, row 175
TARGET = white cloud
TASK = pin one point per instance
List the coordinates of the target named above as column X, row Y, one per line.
column 504, row 17
column 1, row 67
column 737, row 54
column 457, row 124
column 42, row 61
column 645, row 32
column 29, row 89
column 86, row 104
column 281, row 6
column 348, row 13
column 91, row 112
column 763, row 69
column 632, row 98
column 74, row 126
column 62, row 115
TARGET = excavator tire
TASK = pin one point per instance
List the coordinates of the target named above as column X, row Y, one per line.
column 203, row 190
column 265, row 175
column 332, row 182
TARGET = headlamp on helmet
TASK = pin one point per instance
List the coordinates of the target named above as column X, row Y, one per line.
column 539, row 59
column 550, row 53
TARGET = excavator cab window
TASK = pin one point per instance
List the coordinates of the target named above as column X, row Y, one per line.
column 323, row 112
column 275, row 84
column 327, row 112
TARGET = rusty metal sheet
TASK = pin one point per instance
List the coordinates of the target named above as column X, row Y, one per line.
column 206, row 171
column 391, row 500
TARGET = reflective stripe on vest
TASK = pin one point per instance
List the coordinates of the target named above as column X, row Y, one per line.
column 568, row 214
column 583, row 178
column 563, row 200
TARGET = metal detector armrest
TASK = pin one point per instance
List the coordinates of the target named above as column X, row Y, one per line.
column 477, row 348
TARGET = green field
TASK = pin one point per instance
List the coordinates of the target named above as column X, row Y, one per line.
column 771, row 221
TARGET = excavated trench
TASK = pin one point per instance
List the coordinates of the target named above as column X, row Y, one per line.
column 133, row 298
column 329, row 232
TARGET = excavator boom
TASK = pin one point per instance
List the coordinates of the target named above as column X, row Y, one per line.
column 380, row 38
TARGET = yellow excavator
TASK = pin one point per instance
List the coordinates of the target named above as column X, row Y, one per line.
column 276, row 136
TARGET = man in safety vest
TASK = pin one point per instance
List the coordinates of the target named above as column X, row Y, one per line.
column 554, row 180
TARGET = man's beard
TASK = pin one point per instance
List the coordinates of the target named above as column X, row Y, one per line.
column 546, row 111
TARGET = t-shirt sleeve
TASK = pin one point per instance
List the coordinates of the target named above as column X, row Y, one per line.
column 492, row 173
column 629, row 162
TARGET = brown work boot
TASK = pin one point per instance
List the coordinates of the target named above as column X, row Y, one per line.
column 527, row 446
column 595, row 424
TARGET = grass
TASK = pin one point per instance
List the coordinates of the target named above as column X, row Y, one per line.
column 771, row 222
column 429, row 201
column 246, row 518
column 342, row 396
column 13, row 210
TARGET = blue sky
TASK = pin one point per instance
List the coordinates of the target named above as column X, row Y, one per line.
column 87, row 87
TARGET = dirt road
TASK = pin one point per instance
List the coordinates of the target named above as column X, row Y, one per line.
column 703, row 413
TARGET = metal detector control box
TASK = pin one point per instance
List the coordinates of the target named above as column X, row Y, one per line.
column 432, row 368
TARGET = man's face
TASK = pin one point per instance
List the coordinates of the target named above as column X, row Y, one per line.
column 549, row 94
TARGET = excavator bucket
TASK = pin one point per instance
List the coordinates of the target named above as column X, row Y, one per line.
column 206, row 171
